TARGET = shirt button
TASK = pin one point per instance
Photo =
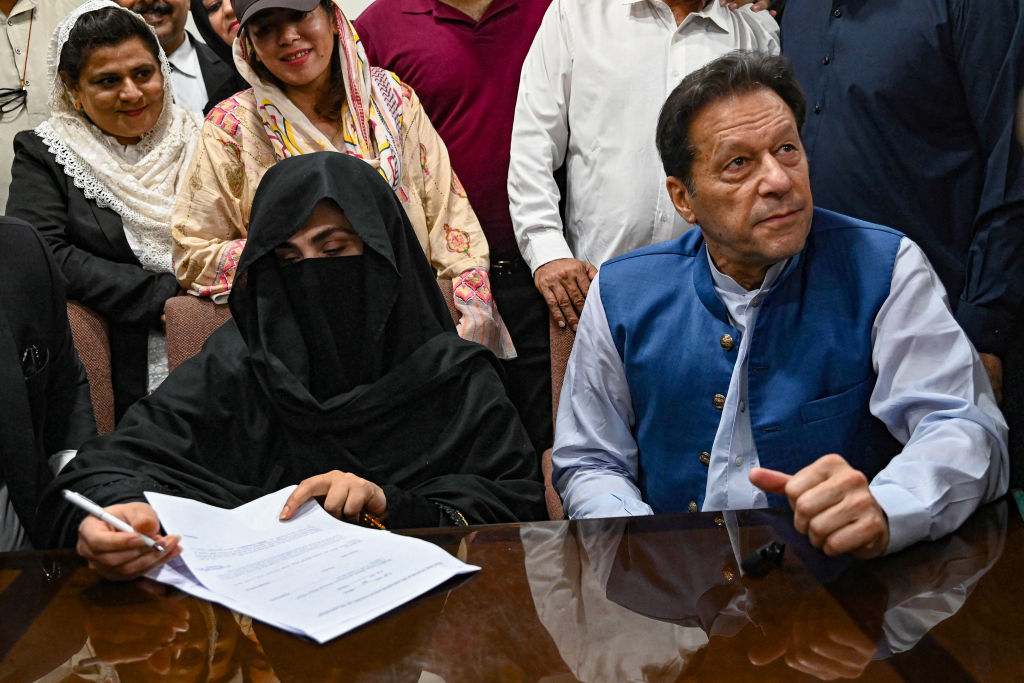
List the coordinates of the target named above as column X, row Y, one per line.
column 826, row 61
column 705, row 458
column 739, row 461
column 692, row 507
column 718, row 401
column 838, row 13
column 726, row 342
column 743, row 406
column 817, row 109
column 17, row 50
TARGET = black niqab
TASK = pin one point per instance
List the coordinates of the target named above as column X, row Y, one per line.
column 397, row 305
column 328, row 301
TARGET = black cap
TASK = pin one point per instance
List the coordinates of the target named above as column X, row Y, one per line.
column 247, row 9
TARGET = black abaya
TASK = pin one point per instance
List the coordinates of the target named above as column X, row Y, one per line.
column 428, row 419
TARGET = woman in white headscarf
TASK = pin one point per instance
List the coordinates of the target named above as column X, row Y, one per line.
column 99, row 179
column 313, row 90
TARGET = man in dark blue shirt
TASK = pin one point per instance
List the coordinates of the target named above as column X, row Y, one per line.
column 910, row 124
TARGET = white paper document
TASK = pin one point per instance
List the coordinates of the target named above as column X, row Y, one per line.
column 312, row 575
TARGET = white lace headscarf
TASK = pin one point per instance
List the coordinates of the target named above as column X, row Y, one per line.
column 140, row 182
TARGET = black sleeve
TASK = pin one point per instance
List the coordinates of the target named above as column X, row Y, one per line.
column 69, row 414
column 203, row 434
column 411, row 511
column 492, row 472
column 121, row 292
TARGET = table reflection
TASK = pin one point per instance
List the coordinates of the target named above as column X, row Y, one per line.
column 642, row 599
column 631, row 599
column 144, row 631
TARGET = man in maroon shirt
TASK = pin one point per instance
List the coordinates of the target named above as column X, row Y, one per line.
column 463, row 58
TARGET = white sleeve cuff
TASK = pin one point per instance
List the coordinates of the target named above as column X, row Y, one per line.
column 543, row 245
column 909, row 520
column 611, row 505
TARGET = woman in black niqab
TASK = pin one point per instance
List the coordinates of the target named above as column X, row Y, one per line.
column 349, row 363
column 295, row 318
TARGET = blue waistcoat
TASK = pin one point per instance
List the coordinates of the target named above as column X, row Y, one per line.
column 809, row 371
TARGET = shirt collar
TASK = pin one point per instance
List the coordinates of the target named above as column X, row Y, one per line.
column 436, row 6
column 418, row 6
column 727, row 284
column 21, row 7
column 184, row 58
column 712, row 11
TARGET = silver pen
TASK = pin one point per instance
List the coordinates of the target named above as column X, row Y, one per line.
column 96, row 511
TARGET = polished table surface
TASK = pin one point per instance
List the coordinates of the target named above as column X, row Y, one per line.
column 643, row 599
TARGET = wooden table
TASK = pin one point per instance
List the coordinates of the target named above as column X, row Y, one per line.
column 654, row 599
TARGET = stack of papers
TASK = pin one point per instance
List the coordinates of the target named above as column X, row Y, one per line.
column 313, row 575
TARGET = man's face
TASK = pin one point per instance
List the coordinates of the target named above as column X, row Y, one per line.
column 752, row 195
column 167, row 17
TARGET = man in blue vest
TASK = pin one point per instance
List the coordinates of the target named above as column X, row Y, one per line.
column 775, row 352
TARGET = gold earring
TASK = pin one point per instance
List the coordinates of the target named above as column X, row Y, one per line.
column 78, row 106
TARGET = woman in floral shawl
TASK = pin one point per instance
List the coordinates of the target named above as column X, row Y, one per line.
column 313, row 90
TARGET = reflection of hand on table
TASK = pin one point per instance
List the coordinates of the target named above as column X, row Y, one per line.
column 811, row 633
column 149, row 631
column 140, row 622
column 817, row 638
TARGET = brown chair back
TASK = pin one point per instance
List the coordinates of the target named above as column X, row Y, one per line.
column 562, row 339
column 90, row 332
column 449, row 298
column 190, row 320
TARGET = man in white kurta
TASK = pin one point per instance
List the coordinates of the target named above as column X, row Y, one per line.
column 27, row 26
column 591, row 88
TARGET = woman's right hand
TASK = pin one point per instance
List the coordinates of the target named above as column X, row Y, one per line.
column 120, row 555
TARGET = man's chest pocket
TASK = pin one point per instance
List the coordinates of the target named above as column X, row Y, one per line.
column 835, row 424
column 847, row 401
